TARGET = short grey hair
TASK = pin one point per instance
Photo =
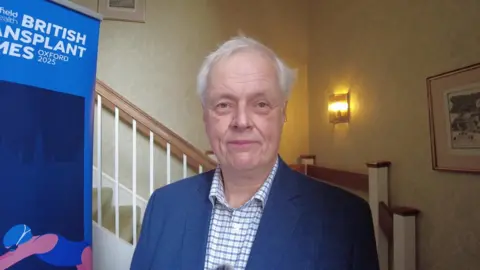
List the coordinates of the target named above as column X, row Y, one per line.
column 285, row 74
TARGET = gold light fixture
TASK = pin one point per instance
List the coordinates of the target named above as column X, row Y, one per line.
column 339, row 108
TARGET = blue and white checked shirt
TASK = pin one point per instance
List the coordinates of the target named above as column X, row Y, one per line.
column 232, row 230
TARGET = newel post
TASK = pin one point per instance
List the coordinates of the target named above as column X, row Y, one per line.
column 404, row 238
column 378, row 192
column 307, row 159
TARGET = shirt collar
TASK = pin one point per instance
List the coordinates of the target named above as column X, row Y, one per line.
column 217, row 193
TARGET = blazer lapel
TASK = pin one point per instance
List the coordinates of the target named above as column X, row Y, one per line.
column 197, row 222
column 278, row 221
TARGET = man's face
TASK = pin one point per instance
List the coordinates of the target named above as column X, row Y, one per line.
column 244, row 111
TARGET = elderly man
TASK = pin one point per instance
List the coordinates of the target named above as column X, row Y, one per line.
column 252, row 211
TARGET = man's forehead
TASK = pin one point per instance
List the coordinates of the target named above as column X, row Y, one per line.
column 253, row 80
column 245, row 74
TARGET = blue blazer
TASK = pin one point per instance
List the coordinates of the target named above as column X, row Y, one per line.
column 306, row 224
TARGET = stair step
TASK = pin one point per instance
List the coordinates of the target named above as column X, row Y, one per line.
column 107, row 199
column 108, row 215
column 125, row 222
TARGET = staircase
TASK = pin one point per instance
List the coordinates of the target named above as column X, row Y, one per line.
column 121, row 187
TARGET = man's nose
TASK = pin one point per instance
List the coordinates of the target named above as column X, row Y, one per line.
column 241, row 118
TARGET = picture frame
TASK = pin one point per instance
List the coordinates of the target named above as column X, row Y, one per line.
column 123, row 10
column 454, row 116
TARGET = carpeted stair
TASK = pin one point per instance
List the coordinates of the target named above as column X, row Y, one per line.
column 108, row 215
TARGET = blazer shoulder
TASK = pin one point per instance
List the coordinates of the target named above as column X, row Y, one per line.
column 182, row 190
column 166, row 211
column 319, row 192
column 329, row 205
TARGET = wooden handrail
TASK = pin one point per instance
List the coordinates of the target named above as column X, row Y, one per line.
column 145, row 123
column 386, row 217
column 357, row 181
column 299, row 167
column 346, row 179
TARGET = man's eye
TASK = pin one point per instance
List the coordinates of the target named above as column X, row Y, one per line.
column 262, row 104
column 222, row 105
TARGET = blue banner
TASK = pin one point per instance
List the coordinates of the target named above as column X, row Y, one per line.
column 48, row 58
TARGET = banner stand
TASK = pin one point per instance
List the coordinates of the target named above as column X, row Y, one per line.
column 48, row 64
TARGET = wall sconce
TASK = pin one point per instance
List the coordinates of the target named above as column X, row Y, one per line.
column 339, row 108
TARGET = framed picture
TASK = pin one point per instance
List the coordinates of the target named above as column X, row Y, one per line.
column 123, row 10
column 454, row 111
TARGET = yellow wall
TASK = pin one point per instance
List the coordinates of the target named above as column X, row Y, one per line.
column 383, row 51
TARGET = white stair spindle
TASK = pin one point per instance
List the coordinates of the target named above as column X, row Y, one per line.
column 184, row 166
column 151, row 162
column 168, row 163
column 134, row 180
column 117, row 189
column 200, row 168
column 99, row 160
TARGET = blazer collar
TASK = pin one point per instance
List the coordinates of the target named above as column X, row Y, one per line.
column 197, row 222
column 285, row 188
column 278, row 222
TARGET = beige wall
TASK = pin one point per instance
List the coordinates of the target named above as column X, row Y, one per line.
column 383, row 51
column 154, row 65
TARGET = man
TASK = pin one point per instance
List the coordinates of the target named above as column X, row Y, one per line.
column 252, row 212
